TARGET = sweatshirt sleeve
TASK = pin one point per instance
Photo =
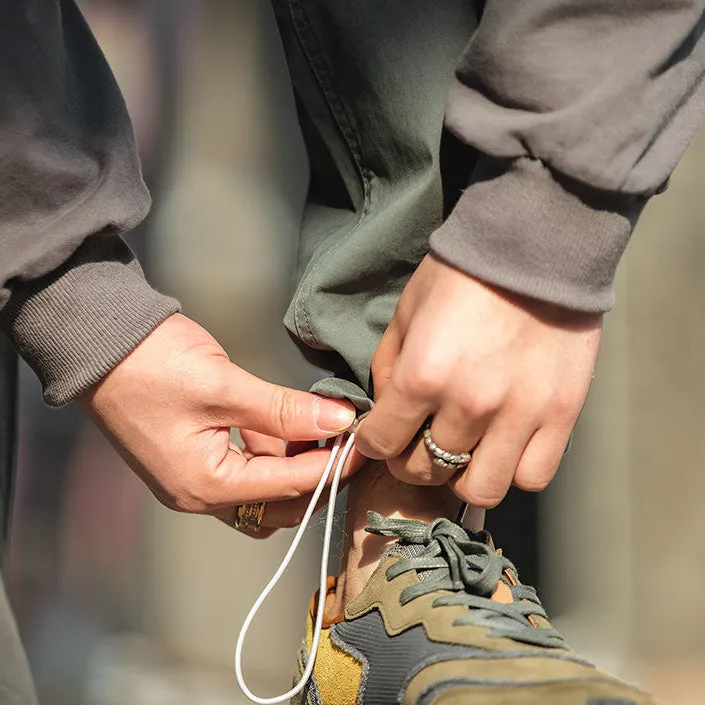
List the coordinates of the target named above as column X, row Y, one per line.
column 73, row 299
column 580, row 110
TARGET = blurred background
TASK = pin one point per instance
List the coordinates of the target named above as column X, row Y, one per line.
column 121, row 602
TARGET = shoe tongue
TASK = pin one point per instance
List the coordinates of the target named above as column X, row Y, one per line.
column 407, row 550
column 404, row 549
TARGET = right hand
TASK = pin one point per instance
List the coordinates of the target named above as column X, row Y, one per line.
column 498, row 373
column 168, row 408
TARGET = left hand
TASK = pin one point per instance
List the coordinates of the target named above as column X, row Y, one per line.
column 499, row 373
column 168, row 408
column 288, row 513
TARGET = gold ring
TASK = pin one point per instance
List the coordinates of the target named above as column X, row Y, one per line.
column 249, row 516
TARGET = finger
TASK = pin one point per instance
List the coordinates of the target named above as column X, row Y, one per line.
column 485, row 482
column 249, row 402
column 452, row 429
column 289, row 514
column 395, row 419
column 297, row 447
column 285, row 514
column 269, row 479
column 260, row 444
column 540, row 461
column 227, row 516
column 384, row 358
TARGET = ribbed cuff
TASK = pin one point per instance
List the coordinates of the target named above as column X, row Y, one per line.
column 75, row 324
column 522, row 228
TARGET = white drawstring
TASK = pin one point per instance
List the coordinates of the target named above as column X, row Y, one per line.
column 341, row 457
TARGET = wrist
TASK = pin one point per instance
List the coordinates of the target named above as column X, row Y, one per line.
column 527, row 229
column 550, row 313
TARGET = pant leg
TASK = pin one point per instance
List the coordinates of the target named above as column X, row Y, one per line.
column 370, row 80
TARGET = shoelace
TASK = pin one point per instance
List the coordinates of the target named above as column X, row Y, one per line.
column 338, row 455
column 455, row 561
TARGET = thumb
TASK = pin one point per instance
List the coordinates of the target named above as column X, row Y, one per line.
column 251, row 403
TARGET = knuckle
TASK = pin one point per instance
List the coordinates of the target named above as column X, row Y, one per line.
column 399, row 472
column 487, row 492
column 532, row 479
column 285, row 408
column 296, row 486
column 481, row 403
column 293, row 492
column 485, row 498
column 414, row 473
column 377, row 445
column 540, row 463
column 532, row 484
column 422, row 381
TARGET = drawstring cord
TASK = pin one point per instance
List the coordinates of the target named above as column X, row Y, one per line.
column 338, row 456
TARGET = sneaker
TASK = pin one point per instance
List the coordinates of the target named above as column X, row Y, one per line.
column 444, row 620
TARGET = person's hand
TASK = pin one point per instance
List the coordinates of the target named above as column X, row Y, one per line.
column 288, row 513
column 500, row 374
column 168, row 408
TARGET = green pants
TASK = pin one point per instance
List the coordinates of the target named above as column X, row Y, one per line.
column 383, row 175
column 383, row 172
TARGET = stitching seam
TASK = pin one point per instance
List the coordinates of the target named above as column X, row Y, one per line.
column 312, row 52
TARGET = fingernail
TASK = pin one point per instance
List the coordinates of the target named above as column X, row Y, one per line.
column 332, row 415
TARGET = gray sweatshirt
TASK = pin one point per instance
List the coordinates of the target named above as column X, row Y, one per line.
column 580, row 110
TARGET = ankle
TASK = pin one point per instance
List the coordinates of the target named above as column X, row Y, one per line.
column 374, row 489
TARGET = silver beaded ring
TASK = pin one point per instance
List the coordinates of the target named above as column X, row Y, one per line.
column 444, row 458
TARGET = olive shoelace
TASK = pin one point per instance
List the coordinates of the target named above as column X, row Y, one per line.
column 456, row 561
